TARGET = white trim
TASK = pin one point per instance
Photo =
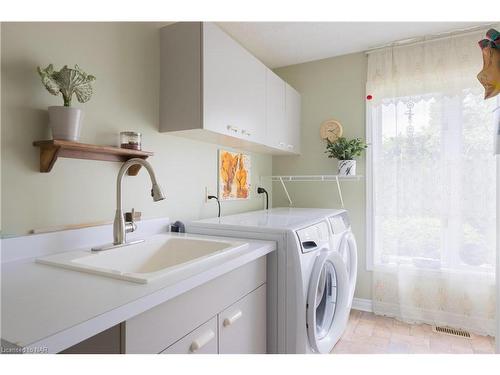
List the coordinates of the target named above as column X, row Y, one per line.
column 369, row 189
column 362, row 304
column 498, row 257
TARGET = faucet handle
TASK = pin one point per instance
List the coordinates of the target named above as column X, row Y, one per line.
column 132, row 216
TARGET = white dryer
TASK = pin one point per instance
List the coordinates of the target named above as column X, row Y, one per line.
column 310, row 279
column 342, row 239
column 344, row 242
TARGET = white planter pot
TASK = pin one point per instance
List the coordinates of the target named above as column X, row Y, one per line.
column 65, row 123
column 347, row 168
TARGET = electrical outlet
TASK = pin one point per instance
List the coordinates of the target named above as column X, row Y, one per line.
column 207, row 193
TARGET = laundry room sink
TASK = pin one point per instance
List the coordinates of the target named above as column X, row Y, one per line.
column 154, row 258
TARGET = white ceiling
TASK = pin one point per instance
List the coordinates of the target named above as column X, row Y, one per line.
column 286, row 43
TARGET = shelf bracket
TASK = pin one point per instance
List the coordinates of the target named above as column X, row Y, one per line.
column 340, row 191
column 314, row 178
column 48, row 157
column 290, row 203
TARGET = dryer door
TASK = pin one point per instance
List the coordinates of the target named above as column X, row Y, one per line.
column 349, row 252
column 327, row 301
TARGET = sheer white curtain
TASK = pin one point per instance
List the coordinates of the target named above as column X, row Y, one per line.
column 432, row 184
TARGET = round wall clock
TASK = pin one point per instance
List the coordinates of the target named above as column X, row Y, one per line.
column 331, row 130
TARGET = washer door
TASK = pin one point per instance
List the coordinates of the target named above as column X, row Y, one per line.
column 327, row 301
column 349, row 252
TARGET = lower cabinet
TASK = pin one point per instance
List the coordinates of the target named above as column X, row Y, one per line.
column 242, row 326
column 239, row 329
column 225, row 315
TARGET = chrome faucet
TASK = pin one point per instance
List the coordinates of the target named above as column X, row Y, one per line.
column 120, row 227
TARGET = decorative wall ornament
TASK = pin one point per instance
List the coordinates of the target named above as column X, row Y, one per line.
column 234, row 175
column 489, row 76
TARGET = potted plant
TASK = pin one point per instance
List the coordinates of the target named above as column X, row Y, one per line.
column 65, row 121
column 345, row 151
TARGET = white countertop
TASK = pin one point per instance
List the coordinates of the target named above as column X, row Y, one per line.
column 273, row 220
column 48, row 309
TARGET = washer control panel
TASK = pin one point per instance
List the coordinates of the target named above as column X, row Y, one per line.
column 313, row 237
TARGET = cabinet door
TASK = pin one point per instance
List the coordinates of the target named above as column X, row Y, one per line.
column 293, row 113
column 276, row 118
column 234, row 87
column 203, row 340
column 242, row 326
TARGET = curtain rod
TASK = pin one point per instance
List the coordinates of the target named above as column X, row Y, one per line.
column 432, row 37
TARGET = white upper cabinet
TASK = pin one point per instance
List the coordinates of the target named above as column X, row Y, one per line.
column 214, row 90
column 293, row 113
column 234, row 86
column 276, row 115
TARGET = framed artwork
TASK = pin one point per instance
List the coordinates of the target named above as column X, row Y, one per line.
column 234, row 175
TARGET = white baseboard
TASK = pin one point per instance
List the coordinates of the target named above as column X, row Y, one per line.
column 362, row 304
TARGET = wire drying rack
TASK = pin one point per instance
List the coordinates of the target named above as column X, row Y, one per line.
column 313, row 178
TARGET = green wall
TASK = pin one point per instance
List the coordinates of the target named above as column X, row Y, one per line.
column 330, row 88
column 125, row 59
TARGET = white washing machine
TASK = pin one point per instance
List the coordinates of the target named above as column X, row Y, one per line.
column 311, row 276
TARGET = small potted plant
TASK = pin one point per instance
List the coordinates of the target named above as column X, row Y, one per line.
column 345, row 151
column 65, row 121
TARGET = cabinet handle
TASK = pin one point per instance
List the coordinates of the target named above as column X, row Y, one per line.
column 232, row 128
column 201, row 341
column 228, row 321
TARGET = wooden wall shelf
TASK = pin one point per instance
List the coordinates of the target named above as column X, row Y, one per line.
column 53, row 149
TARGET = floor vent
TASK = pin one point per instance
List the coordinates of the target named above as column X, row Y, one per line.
column 452, row 331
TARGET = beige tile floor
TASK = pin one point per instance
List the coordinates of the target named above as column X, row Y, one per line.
column 367, row 333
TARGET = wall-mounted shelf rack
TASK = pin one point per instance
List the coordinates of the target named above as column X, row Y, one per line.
column 52, row 149
column 314, row 178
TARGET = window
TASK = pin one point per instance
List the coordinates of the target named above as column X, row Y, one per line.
column 433, row 181
column 431, row 169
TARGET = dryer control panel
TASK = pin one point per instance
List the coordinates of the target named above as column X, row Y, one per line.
column 340, row 223
column 313, row 237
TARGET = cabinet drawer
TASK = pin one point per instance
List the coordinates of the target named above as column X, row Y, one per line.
column 203, row 340
column 242, row 326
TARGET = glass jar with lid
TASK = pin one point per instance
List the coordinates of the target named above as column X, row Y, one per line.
column 130, row 140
